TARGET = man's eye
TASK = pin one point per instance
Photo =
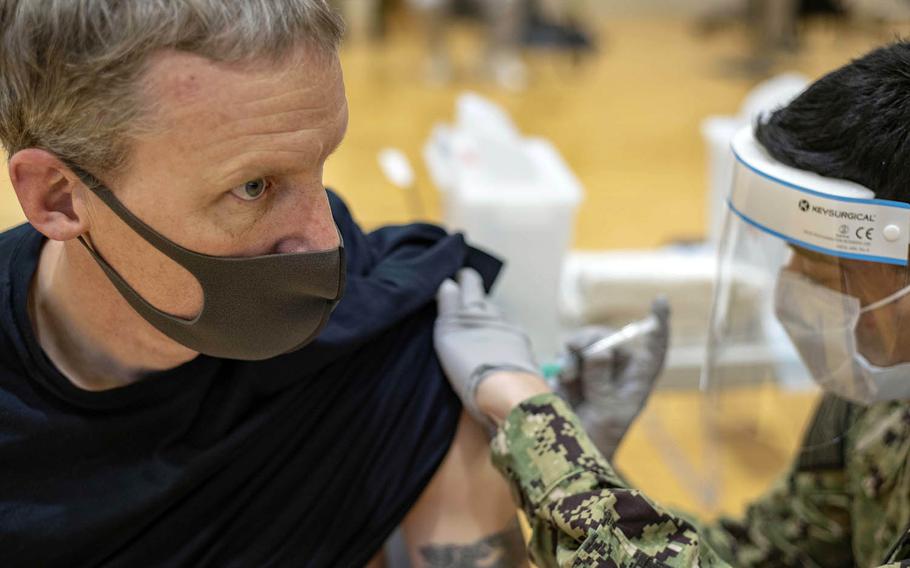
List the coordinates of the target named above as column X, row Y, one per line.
column 251, row 190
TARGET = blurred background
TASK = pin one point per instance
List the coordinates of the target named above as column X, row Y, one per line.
column 591, row 151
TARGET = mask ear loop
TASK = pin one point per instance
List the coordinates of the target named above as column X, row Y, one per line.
column 900, row 315
column 92, row 183
column 887, row 300
column 893, row 297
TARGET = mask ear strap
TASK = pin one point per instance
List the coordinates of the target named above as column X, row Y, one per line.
column 887, row 300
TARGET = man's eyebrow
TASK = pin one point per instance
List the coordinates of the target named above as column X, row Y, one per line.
column 271, row 163
column 263, row 163
column 251, row 168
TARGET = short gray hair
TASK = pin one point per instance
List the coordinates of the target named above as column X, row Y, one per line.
column 70, row 69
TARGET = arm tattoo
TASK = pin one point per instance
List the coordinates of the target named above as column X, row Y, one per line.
column 505, row 549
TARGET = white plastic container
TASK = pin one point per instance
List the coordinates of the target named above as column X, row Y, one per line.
column 516, row 198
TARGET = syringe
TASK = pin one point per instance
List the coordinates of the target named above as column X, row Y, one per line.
column 564, row 367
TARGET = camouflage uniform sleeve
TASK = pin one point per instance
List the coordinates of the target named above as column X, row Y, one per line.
column 580, row 512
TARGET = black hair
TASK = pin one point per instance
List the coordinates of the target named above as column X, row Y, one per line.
column 852, row 124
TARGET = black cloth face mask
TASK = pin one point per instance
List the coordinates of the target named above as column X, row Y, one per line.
column 253, row 308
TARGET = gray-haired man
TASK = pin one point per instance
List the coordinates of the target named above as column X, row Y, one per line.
column 180, row 380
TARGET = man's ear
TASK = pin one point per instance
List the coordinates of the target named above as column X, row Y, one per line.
column 46, row 189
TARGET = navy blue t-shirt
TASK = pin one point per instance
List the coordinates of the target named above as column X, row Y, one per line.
column 308, row 459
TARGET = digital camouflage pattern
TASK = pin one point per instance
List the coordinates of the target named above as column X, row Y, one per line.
column 850, row 507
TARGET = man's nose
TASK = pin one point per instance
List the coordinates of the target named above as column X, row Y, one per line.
column 312, row 230
column 309, row 243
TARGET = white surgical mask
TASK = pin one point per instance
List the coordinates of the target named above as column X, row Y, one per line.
column 822, row 325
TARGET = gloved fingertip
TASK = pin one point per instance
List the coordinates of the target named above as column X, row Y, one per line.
column 448, row 297
column 448, row 286
column 660, row 307
column 472, row 291
column 469, row 277
column 657, row 341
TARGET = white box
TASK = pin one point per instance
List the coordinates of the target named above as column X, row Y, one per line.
column 516, row 198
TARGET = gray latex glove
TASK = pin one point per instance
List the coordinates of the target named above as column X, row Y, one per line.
column 609, row 389
column 472, row 339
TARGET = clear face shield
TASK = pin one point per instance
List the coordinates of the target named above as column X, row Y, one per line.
column 812, row 298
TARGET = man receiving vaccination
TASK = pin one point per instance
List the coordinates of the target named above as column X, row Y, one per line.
column 203, row 360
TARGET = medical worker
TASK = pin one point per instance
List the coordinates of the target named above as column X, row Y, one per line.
column 819, row 222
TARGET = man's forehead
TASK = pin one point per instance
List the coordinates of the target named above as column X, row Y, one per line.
column 177, row 80
column 225, row 123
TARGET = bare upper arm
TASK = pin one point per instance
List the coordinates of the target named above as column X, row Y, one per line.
column 465, row 517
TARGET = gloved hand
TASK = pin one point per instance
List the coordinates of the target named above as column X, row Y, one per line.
column 472, row 339
column 608, row 389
